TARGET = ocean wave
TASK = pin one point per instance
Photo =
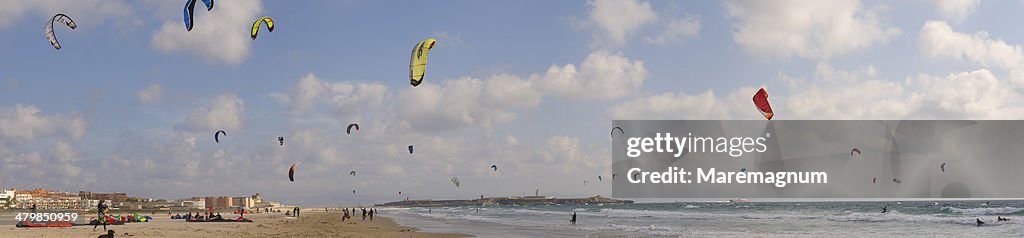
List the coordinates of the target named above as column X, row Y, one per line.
column 896, row 216
column 648, row 229
column 985, row 210
column 691, row 206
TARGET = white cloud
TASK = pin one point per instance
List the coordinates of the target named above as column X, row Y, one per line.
column 807, row 29
column 602, row 75
column 676, row 106
column 346, row 97
column 937, row 39
column 27, row 122
column 956, row 10
column 617, row 19
column 224, row 112
column 215, row 36
column 677, row 29
column 150, row 94
column 454, row 104
column 469, row 101
column 509, row 91
column 842, row 94
column 63, row 158
column 969, row 95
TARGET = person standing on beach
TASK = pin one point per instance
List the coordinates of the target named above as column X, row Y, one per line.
column 364, row 213
column 101, row 215
column 371, row 214
column 573, row 219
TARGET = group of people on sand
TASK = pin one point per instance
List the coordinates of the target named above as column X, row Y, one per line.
column 295, row 212
column 201, row 217
column 345, row 213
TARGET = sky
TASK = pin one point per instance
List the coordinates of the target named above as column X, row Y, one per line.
column 132, row 100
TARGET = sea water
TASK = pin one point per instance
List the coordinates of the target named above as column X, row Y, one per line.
column 726, row 219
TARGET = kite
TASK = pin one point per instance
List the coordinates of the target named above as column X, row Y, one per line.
column 216, row 135
column 353, row 173
column 61, row 18
column 943, row 167
column 410, row 149
column 280, row 140
column 418, row 61
column 617, row 128
column 190, row 6
column 291, row 173
column 455, row 181
column 494, row 167
column 855, row 150
column 350, row 126
column 761, row 101
column 256, row 26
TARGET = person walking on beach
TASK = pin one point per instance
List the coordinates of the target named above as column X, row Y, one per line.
column 364, row 213
column 371, row 214
column 573, row 219
column 101, row 215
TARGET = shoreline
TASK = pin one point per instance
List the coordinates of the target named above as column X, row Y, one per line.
column 313, row 223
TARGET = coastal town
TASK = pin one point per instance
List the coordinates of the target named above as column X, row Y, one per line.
column 12, row 198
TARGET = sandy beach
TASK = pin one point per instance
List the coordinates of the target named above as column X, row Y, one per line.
column 313, row 223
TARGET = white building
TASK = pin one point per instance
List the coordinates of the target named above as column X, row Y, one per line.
column 198, row 204
column 5, row 196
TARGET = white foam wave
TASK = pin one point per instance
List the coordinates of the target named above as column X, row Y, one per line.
column 984, row 211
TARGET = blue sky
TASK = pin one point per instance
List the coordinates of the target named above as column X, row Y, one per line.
column 530, row 86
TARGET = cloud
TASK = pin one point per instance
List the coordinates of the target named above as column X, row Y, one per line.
column 844, row 94
column 616, row 19
column 676, row 30
column 63, row 156
column 150, row 94
column 938, row 40
column 216, row 35
column 345, row 97
column 468, row 101
column 224, row 112
column 509, row 91
column 456, row 103
column 602, row 75
column 956, row 10
column 28, row 123
column 677, row 106
column 816, row 29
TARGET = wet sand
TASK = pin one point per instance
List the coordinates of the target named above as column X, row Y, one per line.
column 313, row 223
